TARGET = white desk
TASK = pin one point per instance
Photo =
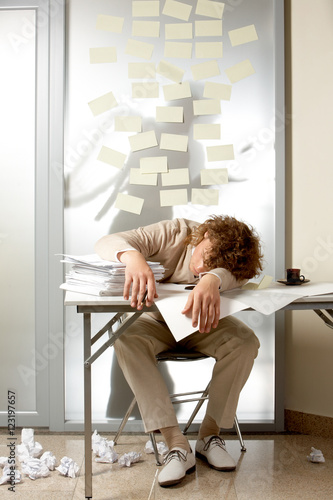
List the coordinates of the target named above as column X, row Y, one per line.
column 88, row 304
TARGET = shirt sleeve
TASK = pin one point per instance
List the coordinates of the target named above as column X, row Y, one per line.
column 227, row 279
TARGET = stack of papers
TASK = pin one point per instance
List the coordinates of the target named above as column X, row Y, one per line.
column 92, row 275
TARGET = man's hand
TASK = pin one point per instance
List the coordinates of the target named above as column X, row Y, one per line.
column 204, row 303
column 140, row 276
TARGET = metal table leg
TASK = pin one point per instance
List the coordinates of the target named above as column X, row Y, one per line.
column 87, row 405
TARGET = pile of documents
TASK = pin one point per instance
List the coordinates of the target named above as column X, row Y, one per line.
column 92, row 275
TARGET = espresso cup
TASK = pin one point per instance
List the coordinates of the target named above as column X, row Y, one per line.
column 294, row 276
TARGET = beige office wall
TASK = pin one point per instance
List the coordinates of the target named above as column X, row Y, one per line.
column 309, row 91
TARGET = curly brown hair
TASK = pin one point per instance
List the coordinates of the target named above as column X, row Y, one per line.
column 235, row 246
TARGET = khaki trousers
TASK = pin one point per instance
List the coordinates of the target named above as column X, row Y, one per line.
column 233, row 345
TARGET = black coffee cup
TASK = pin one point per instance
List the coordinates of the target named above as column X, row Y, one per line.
column 294, row 276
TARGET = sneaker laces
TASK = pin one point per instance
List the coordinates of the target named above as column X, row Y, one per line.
column 177, row 454
column 215, row 441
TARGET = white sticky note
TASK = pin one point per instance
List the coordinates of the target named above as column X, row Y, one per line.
column 210, row 9
column 128, row 123
column 145, row 90
column 205, row 70
column 112, row 157
column 129, row 203
column 177, row 91
column 206, row 107
column 179, row 31
column 176, row 9
column 139, row 49
column 110, row 23
column 146, row 28
column 154, row 164
column 145, row 8
column 144, row 70
column 170, row 71
column 176, row 177
column 144, row 140
column 102, row 104
column 220, row 153
column 138, row 178
column 181, row 50
column 174, row 142
column 172, row 197
column 214, row 176
column 206, row 50
column 243, row 35
column 206, row 131
column 170, row 114
column 208, row 28
column 205, row 196
column 240, row 71
column 99, row 55
column 214, row 90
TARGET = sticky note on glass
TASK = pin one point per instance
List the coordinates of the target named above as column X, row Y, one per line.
column 102, row 55
column 110, row 23
column 214, row 176
column 138, row 178
column 169, row 114
column 214, row 90
column 243, row 35
column 144, row 70
column 144, row 140
column 176, row 9
column 177, row 91
column 205, row 50
column 145, row 8
column 220, row 153
column 154, row 164
column 146, row 28
column 182, row 50
column 205, row 70
column 264, row 283
column 102, row 104
column 208, row 28
column 174, row 142
column 205, row 196
column 139, row 49
column 206, row 107
column 172, row 197
column 206, row 131
column 240, row 71
column 129, row 203
column 176, row 177
column 146, row 90
column 128, row 123
column 170, row 71
column 112, row 157
column 179, row 31
column 210, row 9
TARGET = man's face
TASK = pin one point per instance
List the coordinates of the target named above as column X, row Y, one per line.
column 200, row 252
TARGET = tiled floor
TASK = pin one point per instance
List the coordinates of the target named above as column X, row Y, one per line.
column 273, row 467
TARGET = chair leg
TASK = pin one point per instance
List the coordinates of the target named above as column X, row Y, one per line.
column 196, row 409
column 239, row 434
column 124, row 420
column 153, row 442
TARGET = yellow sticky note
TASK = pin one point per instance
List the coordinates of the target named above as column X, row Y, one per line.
column 214, row 90
column 176, row 9
column 240, row 71
column 146, row 28
column 112, row 157
column 206, row 50
column 138, row 178
column 128, row 123
column 144, row 140
column 145, row 8
column 172, row 197
column 154, row 164
column 243, row 35
column 181, row 50
column 177, row 91
column 102, row 104
column 102, row 55
column 220, row 153
column 206, row 131
column 214, row 176
column 205, row 70
column 205, row 196
column 169, row 114
column 170, row 71
column 208, row 28
column 139, row 49
column 264, row 283
column 144, row 70
column 176, row 177
column 110, row 23
column 210, row 9
column 174, row 142
column 129, row 203
column 206, row 107
column 146, row 90
column 179, row 31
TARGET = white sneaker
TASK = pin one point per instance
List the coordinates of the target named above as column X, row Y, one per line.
column 178, row 463
column 212, row 450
